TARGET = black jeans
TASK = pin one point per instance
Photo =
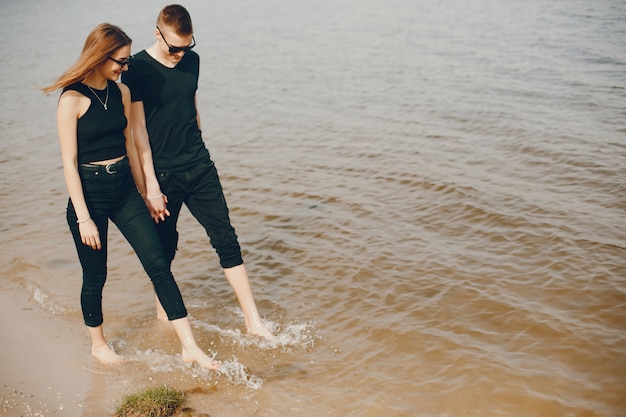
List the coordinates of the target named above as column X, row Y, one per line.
column 199, row 188
column 111, row 193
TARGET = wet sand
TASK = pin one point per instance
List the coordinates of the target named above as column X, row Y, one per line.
column 43, row 357
column 46, row 367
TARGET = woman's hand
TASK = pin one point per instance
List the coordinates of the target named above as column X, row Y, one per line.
column 89, row 234
column 157, row 206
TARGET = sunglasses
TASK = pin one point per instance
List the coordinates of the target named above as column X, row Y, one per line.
column 124, row 62
column 176, row 49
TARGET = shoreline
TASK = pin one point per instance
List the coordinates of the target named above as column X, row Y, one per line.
column 47, row 368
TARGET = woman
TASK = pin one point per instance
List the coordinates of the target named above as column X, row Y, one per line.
column 100, row 165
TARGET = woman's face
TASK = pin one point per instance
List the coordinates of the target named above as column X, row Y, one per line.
column 116, row 63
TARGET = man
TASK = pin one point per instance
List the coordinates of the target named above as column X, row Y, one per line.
column 176, row 164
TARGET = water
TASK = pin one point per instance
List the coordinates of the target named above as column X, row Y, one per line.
column 430, row 196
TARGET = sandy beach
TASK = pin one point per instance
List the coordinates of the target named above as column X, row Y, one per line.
column 47, row 370
column 42, row 371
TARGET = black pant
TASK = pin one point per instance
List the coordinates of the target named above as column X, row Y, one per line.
column 199, row 188
column 111, row 193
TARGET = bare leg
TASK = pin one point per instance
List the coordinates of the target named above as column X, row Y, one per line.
column 161, row 314
column 100, row 349
column 191, row 351
column 238, row 279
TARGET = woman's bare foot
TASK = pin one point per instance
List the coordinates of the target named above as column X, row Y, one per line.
column 259, row 329
column 195, row 354
column 100, row 349
column 106, row 355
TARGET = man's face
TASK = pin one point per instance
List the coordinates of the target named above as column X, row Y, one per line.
column 173, row 45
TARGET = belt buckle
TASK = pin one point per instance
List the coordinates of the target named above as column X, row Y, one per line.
column 110, row 169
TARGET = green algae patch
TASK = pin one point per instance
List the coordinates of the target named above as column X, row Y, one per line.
column 162, row 401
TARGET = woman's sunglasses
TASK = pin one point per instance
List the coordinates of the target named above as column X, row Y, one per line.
column 124, row 62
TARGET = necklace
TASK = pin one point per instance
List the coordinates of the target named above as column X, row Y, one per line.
column 106, row 100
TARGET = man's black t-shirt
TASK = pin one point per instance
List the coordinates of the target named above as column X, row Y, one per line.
column 168, row 96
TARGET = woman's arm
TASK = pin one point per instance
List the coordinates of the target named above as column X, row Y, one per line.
column 71, row 105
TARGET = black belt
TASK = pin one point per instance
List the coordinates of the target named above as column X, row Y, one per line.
column 113, row 168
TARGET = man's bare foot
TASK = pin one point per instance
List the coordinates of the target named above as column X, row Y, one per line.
column 260, row 330
column 195, row 354
column 106, row 355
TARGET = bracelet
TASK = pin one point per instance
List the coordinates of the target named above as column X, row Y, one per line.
column 79, row 221
column 155, row 197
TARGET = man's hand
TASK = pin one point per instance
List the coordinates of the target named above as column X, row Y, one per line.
column 157, row 206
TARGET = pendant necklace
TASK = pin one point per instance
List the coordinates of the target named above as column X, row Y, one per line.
column 106, row 100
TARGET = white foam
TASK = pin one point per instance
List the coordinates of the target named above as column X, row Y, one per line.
column 294, row 335
column 236, row 373
column 230, row 371
column 41, row 298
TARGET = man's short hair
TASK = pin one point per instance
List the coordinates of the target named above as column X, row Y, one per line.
column 177, row 18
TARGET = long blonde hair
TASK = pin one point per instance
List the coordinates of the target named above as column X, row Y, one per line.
column 101, row 42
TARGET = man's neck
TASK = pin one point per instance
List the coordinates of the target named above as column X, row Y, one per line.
column 156, row 53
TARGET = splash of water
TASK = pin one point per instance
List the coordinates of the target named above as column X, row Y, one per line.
column 231, row 371
column 236, row 373
column 294, row 335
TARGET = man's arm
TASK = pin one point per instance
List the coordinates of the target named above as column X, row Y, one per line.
column 155, row 200
column 195, row 102
column 131, row 150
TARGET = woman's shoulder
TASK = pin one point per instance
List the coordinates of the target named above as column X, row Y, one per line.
column 123, row 88
column 72, row 102
column 71, row 94
column 77, row 86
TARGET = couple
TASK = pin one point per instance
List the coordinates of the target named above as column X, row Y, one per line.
column 142, row 135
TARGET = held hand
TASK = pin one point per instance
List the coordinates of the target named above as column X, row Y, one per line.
column 89, row 234
column 157, row 206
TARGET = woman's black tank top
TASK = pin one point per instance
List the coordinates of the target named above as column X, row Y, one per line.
column 100, row 131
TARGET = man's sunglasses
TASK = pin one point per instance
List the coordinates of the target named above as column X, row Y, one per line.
column 177, row 49
column 124, row 62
